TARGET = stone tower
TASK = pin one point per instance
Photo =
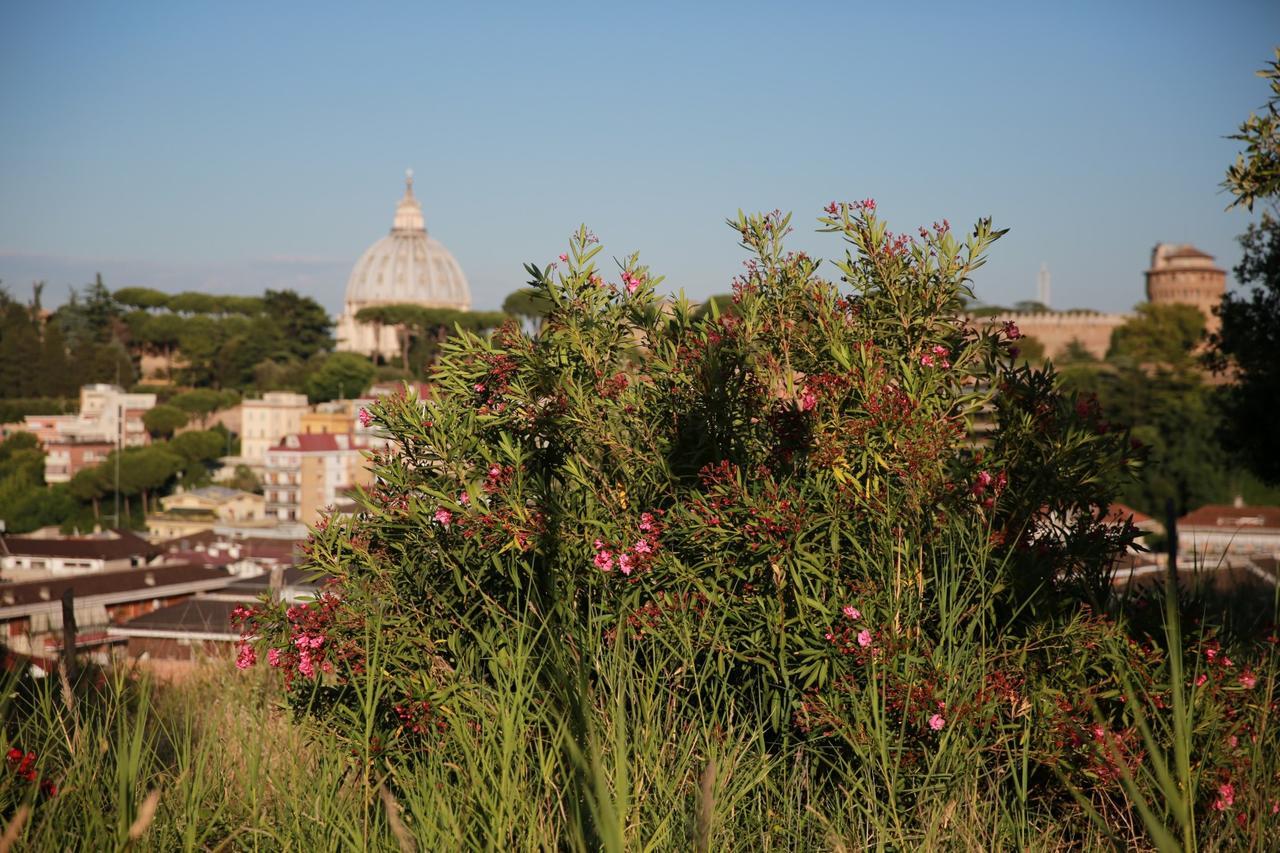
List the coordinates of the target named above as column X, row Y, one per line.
column 1185, row 275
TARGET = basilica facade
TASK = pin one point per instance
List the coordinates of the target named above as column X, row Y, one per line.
column 408, row 266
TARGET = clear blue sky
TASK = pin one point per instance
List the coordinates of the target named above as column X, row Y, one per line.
column 235, row 146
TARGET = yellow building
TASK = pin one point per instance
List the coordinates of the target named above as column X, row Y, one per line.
column 329, row 419
column 187, row 513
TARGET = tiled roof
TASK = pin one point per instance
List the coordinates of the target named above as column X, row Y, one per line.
column 124, row 544
column 321, row 442
column 1119, row 512
column 1227, row 517
column 127, row 584
column 195, row 615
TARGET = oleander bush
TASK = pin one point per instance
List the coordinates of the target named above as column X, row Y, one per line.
column 840, row 514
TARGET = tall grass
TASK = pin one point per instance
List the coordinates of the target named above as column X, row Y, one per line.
column 663, row 760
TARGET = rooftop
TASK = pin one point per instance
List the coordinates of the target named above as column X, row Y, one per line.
column 1228, row 517
column 116, row 545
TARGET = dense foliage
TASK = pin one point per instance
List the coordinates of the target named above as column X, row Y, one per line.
column 839, row 515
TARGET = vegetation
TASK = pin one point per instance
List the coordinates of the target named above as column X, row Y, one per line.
column 1246, row 346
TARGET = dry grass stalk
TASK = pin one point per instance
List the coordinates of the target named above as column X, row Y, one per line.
column 706, row 808
column 14, row 828
column 146, row 813
column 398, row 829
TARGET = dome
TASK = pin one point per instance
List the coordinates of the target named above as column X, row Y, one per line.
column 408, row 266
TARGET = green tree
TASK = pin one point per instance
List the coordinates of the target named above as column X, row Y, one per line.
column 340, row 375
column 1256, row 173
column 163, row 421
column 528, row 307
column 141, row 297
column 1247, row 345
column 722, row 303
column 200, row 403
column 145, row 470
column 1164, row 335
column 20, row 350
column 304, row 325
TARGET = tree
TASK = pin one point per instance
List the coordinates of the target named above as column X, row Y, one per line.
column 1256, row 173
column 163, row 421
column 1030, row 349
column 200, row 403
column 20, row 351
column 145, row 469
column 528, row 306
column 1159, row 335
column 1246, row 345
column 141, row 297
column 305, row 327
column 340, row 375
column 722, row 303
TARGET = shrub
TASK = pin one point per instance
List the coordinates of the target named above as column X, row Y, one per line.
column 840, row 514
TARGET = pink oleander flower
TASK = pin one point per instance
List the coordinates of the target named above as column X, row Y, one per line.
column 479, row 386
column 364, row 417
column 864, row 638
column 604, row 561
column 808, row 400
column 926, row 360
column 1248, row 680
column 633, row 283
column 941, row 351
column 1226, row 797
column 1011, row 330
column 273, row 657
column 936, row 722
column 246, row 657
column 443, row 516
column 1211, row 655
column 1201, row 679
column 646, row 522
column 852, row 612
column 642, row 547
column 305, row 664
column 564, row 256
column 624, row 563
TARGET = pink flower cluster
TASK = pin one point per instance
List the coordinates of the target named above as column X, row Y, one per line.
column 938, row 356
column 1011, row 330
column 1226, row 797
column 629, row 559
column 632, row 282
column 364, row 417
column 443, row 517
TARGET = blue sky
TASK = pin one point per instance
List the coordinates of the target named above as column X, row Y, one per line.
column 234, row 146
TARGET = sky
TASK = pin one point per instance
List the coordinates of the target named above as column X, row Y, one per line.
column 231, row 147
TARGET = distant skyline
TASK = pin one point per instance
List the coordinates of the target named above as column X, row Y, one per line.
column 233, row 147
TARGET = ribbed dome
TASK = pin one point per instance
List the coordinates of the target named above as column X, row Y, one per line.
column 407, row 265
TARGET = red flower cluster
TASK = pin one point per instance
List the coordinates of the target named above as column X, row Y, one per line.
column 24, row 767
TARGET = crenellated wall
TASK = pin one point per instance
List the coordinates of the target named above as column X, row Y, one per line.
column 1056, row 330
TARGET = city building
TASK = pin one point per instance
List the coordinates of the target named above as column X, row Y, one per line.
column 109, row 417
column 1214, row 532
column 31, row 611
column 264, row 422
column 1179, row 274
column 1184, row 275
column 406, row 267
column 338, row 416
column 306, row 474
column 66, row 457
column 33, row 557
column 188, row 512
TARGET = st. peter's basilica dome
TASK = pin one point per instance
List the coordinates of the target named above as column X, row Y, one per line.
column 406, row 267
